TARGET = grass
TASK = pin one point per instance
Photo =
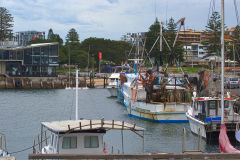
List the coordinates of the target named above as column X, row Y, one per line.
column 185, row 69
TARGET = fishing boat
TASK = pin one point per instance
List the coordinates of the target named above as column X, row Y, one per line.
column 214, row 116
column 205, row 114
column 113, row 84
column 80, row 136
column 154, row 97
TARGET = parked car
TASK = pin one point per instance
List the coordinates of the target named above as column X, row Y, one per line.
column 231, row 82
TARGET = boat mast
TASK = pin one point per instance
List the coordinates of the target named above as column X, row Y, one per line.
column 69, row 65
column 222, row 64
column 76, row 94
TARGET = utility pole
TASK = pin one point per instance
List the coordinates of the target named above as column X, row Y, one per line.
column 88, row 57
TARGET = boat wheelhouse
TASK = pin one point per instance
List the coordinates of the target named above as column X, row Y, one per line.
column 204, row 114
column 112, row 86
column 80, row 136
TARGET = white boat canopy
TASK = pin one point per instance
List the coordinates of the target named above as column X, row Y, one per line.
column 88, row 125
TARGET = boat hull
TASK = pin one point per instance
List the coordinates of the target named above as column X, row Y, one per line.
column 195, row 125
column 112, row 91
column 210, row 131
column 120, row 96
column 159, row 117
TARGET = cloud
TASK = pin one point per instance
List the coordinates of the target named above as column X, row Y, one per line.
column 107, row 18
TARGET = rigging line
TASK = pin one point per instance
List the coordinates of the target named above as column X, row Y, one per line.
column 155, row 8
column 236, row 11
column 213, row 6
column 209, row 10
column 27, row 148
column 131, row 49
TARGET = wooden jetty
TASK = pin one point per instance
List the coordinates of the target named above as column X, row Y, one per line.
column 59, row 82
column 196, row 156
column 8, row 158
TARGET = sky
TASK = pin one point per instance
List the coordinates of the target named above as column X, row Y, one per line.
column 110, row 19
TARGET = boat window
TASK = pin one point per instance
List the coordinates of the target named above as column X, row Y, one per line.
column 69, row 142
column 226, row 104
column 212, row 104
column 91, row 142
column 52, row 139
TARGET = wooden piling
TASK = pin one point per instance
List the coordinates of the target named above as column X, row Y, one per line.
column 39, row 143
column 183, row 140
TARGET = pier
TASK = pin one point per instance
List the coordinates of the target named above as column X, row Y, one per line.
column 59, row 82
column 152, row 156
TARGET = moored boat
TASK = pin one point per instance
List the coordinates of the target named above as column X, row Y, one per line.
column 154, row 97
column 112, row 86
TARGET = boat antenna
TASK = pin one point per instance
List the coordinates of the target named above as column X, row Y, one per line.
column 76, row 94
column 222, row 64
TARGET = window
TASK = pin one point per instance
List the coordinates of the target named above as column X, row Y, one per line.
column 212, row 104
column 69, row 142
column 91, row 142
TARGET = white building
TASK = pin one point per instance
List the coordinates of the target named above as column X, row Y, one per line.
column 132, row 37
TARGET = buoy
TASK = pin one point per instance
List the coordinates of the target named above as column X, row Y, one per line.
column 105, row 149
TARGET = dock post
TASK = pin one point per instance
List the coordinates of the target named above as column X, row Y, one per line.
column 122, row 142
column 183, row 140
column 6, row 82
column 199, row 140
column 13, row 83
column 34, row 149
column 39, row 144
column 104, row 83
column 0, row 141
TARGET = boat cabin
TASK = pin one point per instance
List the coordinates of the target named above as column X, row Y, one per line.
column 80, row 136
column 114, row 79
column 208, row 109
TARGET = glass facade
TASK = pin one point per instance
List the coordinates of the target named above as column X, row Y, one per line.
column 37, row 60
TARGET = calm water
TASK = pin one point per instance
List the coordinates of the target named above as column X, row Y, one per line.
column 23, row 110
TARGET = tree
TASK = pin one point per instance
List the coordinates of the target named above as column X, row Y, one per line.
column 72, row 36
column 213, row 33
column 176, row 53
column 235, row 49
column 152, row 35
column 50, row 34
column 80, row 58
column 6, row 21
column 169, row 33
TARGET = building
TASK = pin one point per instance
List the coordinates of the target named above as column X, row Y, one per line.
column 189, row 36
column 132, row 37
column 36, row 60
column 24, row 37
column 194, row 53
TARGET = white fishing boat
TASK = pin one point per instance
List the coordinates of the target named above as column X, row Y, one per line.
column 157, row 99
column 212, row 114
column 112, row 86
column 80, row 136
column 205, row 114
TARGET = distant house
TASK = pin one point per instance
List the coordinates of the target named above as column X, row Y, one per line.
column 36, row 60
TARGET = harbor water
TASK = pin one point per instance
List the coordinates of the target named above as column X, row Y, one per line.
column 23, row 110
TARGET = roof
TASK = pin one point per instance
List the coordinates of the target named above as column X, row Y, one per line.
column 115, row 75
column 88, row 125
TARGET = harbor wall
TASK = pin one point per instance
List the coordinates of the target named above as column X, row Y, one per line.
column 59, row 82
